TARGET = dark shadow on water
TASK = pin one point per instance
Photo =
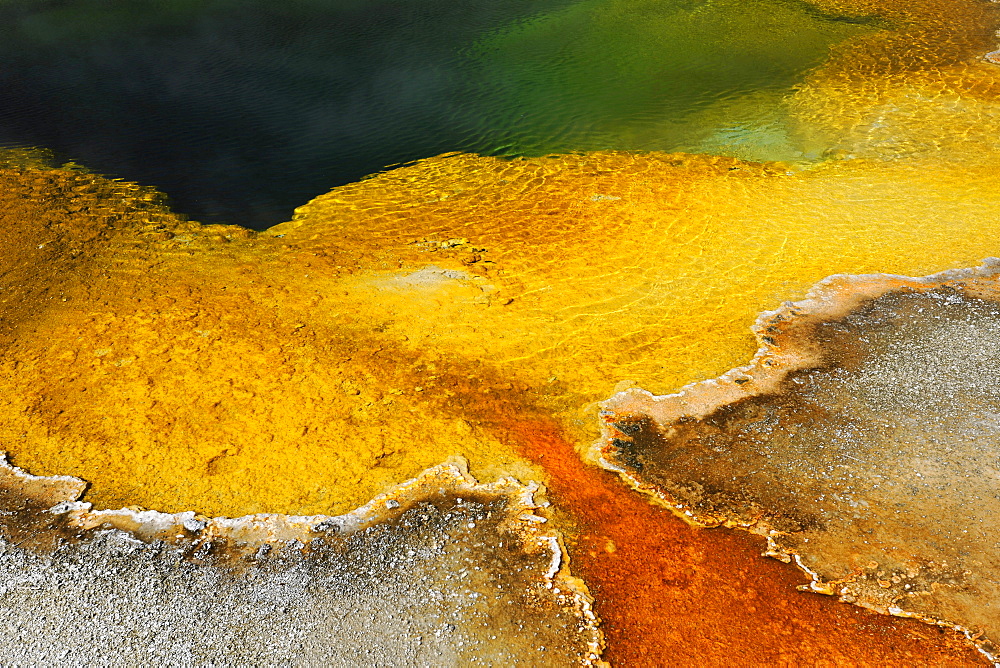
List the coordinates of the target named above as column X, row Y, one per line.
column 241, row 110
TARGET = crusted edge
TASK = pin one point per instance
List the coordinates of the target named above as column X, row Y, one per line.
column 780, row 352
column 60, row 495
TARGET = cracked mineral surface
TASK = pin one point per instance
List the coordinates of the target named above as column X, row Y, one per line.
column 441, row 571
column 863, row 441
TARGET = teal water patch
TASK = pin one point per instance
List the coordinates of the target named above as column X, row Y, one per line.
column 655, row 75
column 241, row 110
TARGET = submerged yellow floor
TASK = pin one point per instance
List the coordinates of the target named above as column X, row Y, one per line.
column 399, row 320
column 306, row 369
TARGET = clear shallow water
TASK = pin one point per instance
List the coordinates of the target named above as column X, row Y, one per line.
column 241, row 110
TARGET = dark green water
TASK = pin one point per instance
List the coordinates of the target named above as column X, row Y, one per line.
column 241, row 110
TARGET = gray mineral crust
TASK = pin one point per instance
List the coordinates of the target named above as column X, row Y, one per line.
column 863, row 441
column 456, row 574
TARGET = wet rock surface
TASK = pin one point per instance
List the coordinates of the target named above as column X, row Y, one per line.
column 863, row 441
